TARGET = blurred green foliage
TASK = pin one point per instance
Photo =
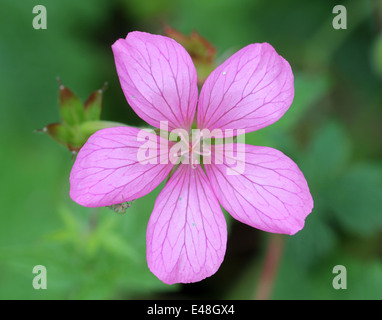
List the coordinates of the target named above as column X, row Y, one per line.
column 332, row 131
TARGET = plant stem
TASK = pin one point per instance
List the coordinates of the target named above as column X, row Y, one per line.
column 270, row 268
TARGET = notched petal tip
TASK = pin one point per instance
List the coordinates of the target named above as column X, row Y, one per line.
column 250, row 90
column 158, row 78
column 187, row 233
column 269, row 193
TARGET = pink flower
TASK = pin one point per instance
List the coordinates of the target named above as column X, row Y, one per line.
column 186, row 233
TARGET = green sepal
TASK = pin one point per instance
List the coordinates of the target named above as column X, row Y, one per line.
column 202, row 52
column 71, row 108
column 58, row 132
column 68, row 136
column 90, row 127
column 78, row 121
column 93, row 105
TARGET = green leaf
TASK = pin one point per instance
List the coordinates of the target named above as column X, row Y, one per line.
column 363, row 280
column 356, row 199
column 292, row 282
column 328, row 153
column 377, row 55
column 308, row 90
column 313, row 243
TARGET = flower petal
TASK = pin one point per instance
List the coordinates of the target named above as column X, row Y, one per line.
column 158, row 78
column 108, row 170
column 269, row 192
column 187, row 232
column 250, row 90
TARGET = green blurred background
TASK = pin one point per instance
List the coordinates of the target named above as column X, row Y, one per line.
column 333, row 131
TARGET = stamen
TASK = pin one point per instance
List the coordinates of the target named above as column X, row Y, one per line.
column 193, row 149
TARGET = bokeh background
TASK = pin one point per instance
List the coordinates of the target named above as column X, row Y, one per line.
column 333, row 131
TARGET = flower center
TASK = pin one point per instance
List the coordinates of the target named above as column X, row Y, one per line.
column 194, row 148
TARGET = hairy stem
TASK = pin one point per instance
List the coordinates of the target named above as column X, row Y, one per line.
column 270, row 268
